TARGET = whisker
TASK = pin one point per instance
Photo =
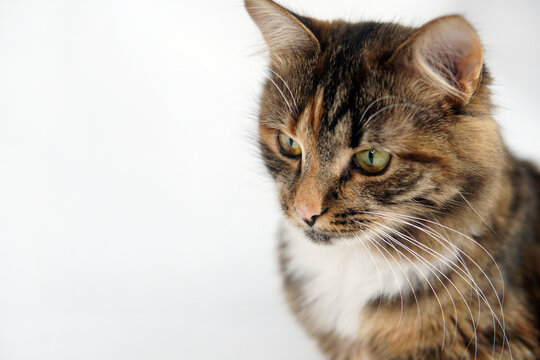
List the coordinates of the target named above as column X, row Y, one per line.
column 281, row 93
column 476, row 287
column 502, row 280
column 420, row 220
column 374, row 243
column 404, row 274
column 432, row 289
column 428, row 265
column 377, row 270
column 445, row 260
column 288, row 88
column 375, row 102
column 477, row 213
column 391, row 106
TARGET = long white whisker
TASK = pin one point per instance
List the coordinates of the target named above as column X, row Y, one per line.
column 477, row 213
column 281, row 93
column 370, row 118
column 420, row 221
column 476, row 288
column 375, row 102
column 393, row 273
column 445, row 260
column 378, row 272
column 502, row 280
column 434, row 292
column 404, row 274
column 428, row 265
column 466, row 237
column 288, row 88
column 436, row 236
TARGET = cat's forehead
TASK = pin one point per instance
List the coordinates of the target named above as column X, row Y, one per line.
column 344, row 115
column 314, row 130
column 347, row 97
column 345, row 84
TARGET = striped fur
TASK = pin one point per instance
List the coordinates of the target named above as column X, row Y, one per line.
column 454, row 219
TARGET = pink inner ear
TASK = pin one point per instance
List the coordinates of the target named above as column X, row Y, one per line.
column 449, row 52
column 470, row 68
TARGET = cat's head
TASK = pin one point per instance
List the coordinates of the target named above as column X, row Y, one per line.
column 363, row 123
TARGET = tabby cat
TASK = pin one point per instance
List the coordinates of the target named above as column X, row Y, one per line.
column 411, row 231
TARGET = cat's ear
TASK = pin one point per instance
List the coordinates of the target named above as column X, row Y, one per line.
column 284, row 33
column 448, row 54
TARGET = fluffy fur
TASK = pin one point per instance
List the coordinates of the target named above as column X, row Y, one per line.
column 437, row 256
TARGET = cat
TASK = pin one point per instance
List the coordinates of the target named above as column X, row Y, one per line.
column 410, row 232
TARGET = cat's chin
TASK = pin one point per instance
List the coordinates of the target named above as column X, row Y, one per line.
column 318, row 237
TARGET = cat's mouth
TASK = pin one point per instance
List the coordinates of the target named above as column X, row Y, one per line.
column 318, row 237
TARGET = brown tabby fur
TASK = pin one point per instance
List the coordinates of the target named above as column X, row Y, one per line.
column 449, row 169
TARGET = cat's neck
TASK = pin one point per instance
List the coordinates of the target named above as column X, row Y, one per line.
column 338, row 281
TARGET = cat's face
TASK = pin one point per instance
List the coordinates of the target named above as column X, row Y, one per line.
column 362, row 124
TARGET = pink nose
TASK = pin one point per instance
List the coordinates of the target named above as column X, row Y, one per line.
column 309, row 212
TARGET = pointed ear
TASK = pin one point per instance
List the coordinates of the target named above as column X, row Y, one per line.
column 284, row 33
column 448, row 54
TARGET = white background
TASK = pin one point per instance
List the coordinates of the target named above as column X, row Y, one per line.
column 136, row 221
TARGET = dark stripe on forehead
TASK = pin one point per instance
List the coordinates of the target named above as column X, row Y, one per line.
column 337, row 101
column 345, row 79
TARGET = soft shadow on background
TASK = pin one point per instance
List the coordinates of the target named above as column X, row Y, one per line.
column 136, row 221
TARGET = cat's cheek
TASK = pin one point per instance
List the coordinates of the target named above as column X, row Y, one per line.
column 285, row 202
column 362, row 190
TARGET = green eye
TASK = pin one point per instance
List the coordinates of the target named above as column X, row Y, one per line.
column 288, row 145
column 372, row 162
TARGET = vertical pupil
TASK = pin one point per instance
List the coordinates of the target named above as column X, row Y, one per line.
column 291, row 142
column 370, row 156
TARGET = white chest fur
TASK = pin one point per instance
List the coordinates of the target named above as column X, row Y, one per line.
column 340, row 279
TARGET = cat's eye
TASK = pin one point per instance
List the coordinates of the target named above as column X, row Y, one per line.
column 288, row 146
column 372, row 162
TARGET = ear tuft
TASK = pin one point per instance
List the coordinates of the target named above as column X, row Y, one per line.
column 448, row 53
column 284, row 33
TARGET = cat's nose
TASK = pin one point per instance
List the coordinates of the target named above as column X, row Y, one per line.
column 309, row 212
